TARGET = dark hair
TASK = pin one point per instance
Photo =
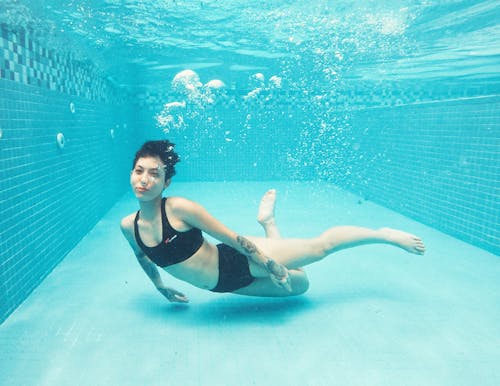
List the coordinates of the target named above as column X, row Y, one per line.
column 162, row 149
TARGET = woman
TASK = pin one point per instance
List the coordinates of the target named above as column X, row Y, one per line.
column 167, row 232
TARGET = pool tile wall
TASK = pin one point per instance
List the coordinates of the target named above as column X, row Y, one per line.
column 232, row 139
column 437, row 162
column 429, row 151
column 51, row 197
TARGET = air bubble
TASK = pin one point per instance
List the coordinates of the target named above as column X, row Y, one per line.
column 275, row 81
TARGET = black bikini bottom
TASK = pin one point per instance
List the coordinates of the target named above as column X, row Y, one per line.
column 234, row 272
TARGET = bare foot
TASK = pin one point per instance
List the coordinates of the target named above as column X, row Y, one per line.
column 266, row 208
column 407, row 241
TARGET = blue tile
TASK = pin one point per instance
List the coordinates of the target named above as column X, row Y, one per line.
column 37, row 179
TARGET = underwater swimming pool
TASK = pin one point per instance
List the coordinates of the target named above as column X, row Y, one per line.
column 373, row 315
column 358, row 112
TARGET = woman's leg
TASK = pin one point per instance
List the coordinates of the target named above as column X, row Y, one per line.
column 264, row 286
column 296, row 253
column 265, row 216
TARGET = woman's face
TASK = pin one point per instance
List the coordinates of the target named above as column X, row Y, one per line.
column 148, row 178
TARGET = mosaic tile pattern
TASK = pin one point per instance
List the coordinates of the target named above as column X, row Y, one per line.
column 358, row 95
column 26, row 61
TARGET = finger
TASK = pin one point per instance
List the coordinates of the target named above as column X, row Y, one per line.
column 276, row 281
column 283, row 282
column 181, row 298
column 287, row 284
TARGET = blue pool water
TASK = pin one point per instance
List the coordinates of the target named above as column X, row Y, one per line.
column 373, row 315
column 358, row 112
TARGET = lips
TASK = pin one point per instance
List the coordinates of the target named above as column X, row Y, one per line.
column 141, row 189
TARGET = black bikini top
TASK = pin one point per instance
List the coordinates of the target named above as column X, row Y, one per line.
column 176, row 246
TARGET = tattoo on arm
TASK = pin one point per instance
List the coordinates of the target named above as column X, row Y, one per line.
column 150, row 270
column 275, row 268
column 252, row 252
column 269, row 264
column 247, row 245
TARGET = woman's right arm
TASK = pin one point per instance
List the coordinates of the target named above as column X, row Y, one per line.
column 152, row 271
column 150, row 268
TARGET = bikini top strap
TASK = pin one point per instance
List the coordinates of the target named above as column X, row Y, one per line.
column 168, row 230
column 136, row 231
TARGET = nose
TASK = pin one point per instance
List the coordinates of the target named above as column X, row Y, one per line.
column 144, row 180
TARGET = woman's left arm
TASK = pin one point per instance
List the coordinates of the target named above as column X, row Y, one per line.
column 197, row 216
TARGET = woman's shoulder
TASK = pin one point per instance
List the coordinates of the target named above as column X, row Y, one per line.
column 127, row 223
column 179, row 206
column 127, row 227
column 178, row 202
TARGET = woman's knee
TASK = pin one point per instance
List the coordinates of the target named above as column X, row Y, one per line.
column 301, row 288
column 300, row 281
column 320, row 248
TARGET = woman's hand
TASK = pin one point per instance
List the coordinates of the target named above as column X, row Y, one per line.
column 279, row 275
column 172, row 295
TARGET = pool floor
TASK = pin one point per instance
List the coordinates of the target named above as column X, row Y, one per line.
column 374, row 315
